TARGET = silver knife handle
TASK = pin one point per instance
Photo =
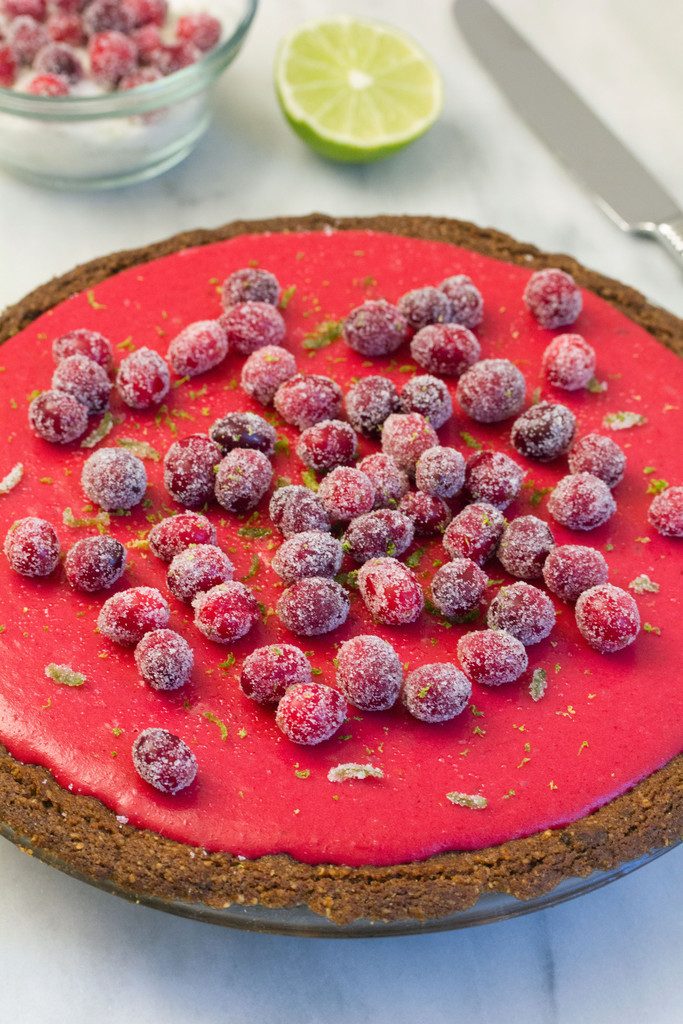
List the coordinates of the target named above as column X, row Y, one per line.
column 670, row 234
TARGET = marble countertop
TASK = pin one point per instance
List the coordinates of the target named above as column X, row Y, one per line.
column 71, row 953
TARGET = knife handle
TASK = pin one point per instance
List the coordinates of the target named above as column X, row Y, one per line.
column 670, row 234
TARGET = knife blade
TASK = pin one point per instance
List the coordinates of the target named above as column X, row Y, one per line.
column 621, row 186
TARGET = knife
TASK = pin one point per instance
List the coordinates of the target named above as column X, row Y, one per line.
column 619, row 184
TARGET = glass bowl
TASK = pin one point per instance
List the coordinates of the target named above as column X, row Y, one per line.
column 112, row 139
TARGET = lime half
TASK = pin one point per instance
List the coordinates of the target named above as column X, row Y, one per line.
column 356, row 90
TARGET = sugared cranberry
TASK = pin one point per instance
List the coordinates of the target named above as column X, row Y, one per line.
column 436, row 693
column 114, row 478
column 170, row 59
column 125, row 617
column 175, row 533
column 493, row 477
column 311, row 553
column 204, row 31
column 446, row 349
column 265, row 370
column 164, row 761
column 146, row 12
column 310, row 713
column 149, row 43
column 491, row 390
column 85, row 380
column 607, row 618
column 523, row 610
column 543, row 432
column 553, row 298
column 198, row 348
column 599, row 455
column 375, row 329
column 570, row 569
column 95, row 563
column 346, row 493
column 250, row 326
column 376, row 534
column 368, row 403
column 492, row 657
column 108, row 16
column 57, row 417
column 189, row 470
column 141, row 76
column 82, row 342
column 250, row 284
column 581, row 501
column 307, row 398
column 666, row 512
column 65, row 27
column 8, row 66
column 524, row 547
column 24, row 8
column 196, row 569
column 424, row 306
column 327, row 444
column 61, row 60
column 467, row 304
column 32, row 547
column 391, row 591
column 313, row 605
column 26, row 36
column 164, row 659
column 242, row 478
column 405, row 436
column 569, row 362
column 47, row 85
column 268, row 672
column 294, row 509
column 390, row 482
column 458, row 587
column 428, row 396
column 225, row 613
column 243, row 430
column 440, row 472
column 369, row 673
column 430, row 515
column 474, row 533
column 112, row 55
column 143, row 379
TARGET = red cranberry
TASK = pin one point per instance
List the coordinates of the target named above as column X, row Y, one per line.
column 196, row 569
column 544, row 432
column 295, row 509
column 313, row 605
column 251, row 284
column 311, row 553
column 85, row 380
column 428, row 396
column 599, row 455
column 581, row 501
column 199, row 347
column 458, row 587
column 149, row 43
column 474, row 533
column 368, row 403
column 467, row 304
column 307, row 398
column 553, row 298
column 26, row 36
column 146, row 12
column 32, row 547
column 170, row 59
column 440, row 472
column 492, row 657
column 327, row 444
column 346, row 493
column 8, row 66
column 570, row 569
column 436, row 693
column 268, row 672
column 405, row 436
column 95, row 563
column 24, row 8
column 190, row 470
column 164, row 659
column 175, row 533
column 82, row 342
column 108, row 16
column 310, row 713
column 391, row 591
column 607, row 618
column 666, row 512
column 375, row 329
column 57, row 417
column 390, row 482
column 204, row 31
column 112, row 56
column 523, row 610
column 524, row 547
column 243, row 430
column 114, row 478
column 384, row 532
column 67, row 6
column 47, row 85
column 225, row 613
column 164, row 761
column 446, row 349
column 423, row 306
column 569, row 362
column 61, row 60
column 64, row 27
column 250, row 326
column 369, row 673
column 141, row 76
column 143, row 379
column 126, row 616
column 430, row 515
column 491, row 390
column 242, row 478
column 265, row 370
column 493, row 477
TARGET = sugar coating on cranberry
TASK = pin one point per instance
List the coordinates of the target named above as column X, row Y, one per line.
column 198, row 348
column 440, row 472
column 458, row 587
column 369, row 673
column 83, row 342
column 164, row 659
column 313, row 605
column 295, row 508
column 114, row 478
column 143, row 379
column 190, row 470
column 112, row 55
column 492, row 657
column 250, row 326
column 368, row 403
column 569, row 362
column 164, row 761
column 198, row 568
column 524, row 547
column 26, row 36
column 430, row 515
column 491, row 390
column 32, row 547
column 85, row 380
column 570, row 569
column 599, row 455
column 581, row 501
column 311, row 553
column 64, row 27
column 61, row 60
column 307, row 398
column 377, row 328
column 175, row 533
column 553, row 298
column 225, row 613
column 608, row 618
column 265, row 370
column 424, row 306
column 384, row 532
column 666, row 512
column 107, row 16
column 310, row 713
column 47, row 85
column 242, row 478
column 474, row 533
column 203, row 30
column 24, row 8
column 243, row 430
column 95, row 563
column 327, row 444
column 346, row 493
column 436, row 693
column 467, row 304
column 446, row 349
column 174, row 57
column 544, row 432
column 523, row 610
column 149, row 43
column 428, row 396
column 405, row 436
column 250, row 284
column 147, row 12
column 493, row 477
column 57, row 417
column 126, row 616
column 268, row 672
column 391, row 591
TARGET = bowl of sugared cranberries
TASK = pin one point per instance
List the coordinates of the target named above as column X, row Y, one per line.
column 108, row 92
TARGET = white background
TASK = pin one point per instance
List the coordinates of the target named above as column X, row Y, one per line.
column 69, row 953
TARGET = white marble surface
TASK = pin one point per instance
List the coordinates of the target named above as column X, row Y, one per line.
column 69, row 953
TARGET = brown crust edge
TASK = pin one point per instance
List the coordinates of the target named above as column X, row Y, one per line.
column 80, row 835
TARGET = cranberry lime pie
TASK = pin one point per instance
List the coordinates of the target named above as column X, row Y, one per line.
column 342, row 567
